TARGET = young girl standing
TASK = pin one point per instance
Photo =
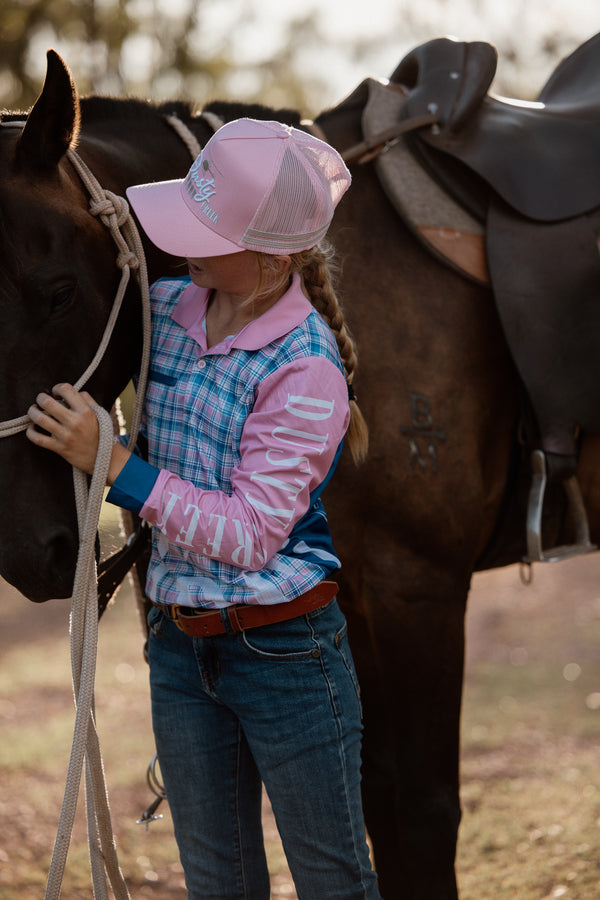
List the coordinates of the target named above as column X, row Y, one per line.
column 252, row 679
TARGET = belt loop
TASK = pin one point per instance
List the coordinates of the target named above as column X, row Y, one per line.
column 234, row 619
column 229, row 623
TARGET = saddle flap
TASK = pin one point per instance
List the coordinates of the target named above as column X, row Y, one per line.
column 546, row 281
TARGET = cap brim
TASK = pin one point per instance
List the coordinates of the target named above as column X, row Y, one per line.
column 164, row 216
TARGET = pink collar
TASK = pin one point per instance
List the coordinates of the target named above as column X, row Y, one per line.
column 289, row 311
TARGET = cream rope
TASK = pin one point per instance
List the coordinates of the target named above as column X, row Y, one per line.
column 84, row 639
column 114, row 213
column 189, row 139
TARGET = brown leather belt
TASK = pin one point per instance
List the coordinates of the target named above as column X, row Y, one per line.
column 206, row 623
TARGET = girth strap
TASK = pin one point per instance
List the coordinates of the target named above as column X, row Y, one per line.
column 112, row 571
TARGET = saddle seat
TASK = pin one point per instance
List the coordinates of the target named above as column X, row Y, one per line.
column 519, row 148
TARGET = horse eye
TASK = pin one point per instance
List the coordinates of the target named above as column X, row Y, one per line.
column 62, row 296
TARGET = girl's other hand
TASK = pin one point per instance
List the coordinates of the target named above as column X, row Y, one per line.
column 66, row 424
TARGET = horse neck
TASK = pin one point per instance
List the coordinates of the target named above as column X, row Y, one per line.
column 136, row 143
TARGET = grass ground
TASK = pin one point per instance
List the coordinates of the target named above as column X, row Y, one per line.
column 530, row 750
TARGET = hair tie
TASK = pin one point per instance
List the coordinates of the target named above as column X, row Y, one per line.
column 351, row 392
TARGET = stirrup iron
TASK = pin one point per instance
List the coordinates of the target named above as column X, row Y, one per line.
column 534, row 517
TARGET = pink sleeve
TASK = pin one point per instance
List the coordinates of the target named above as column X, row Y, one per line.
column 288, row 445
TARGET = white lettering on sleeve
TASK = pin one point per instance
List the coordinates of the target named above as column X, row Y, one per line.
column 301, row 463
column 173, row 498
column 295, row 402
column 242, row 554
column 285, row 515
column 300, row 438
column 213, row 548
column 291, row 490
column 186, row 535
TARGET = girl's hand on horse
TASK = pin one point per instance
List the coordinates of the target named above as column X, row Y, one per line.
column 69, row 425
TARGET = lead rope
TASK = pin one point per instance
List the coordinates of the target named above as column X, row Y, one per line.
column 84, row 639
column 114, row 213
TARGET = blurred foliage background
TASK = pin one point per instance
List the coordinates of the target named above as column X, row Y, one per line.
column 278, row 52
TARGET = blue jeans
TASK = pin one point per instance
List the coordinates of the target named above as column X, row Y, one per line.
column 277, row 705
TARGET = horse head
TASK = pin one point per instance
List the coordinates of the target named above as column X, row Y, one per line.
column 57, row 283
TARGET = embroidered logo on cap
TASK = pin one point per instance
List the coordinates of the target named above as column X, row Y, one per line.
column 201, row 187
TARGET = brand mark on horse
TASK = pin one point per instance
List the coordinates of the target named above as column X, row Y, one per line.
column 421, row 432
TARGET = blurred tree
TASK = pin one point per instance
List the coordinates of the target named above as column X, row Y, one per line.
column 277, row 52
column 147, row 48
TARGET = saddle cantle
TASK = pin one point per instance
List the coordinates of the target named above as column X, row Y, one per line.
column 519, row 148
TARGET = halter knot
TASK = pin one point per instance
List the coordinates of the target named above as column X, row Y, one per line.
column 111, row 205
column 128, row 258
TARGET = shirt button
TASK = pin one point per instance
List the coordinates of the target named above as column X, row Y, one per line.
column 201, row 364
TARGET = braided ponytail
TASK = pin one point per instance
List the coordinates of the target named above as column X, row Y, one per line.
column 316, row 268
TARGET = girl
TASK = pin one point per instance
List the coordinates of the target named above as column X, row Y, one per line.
column 252, row 679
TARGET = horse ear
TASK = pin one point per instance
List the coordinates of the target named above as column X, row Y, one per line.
column 53, row 123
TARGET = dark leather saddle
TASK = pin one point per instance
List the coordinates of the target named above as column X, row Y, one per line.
column 531, row 171
column 541, row 157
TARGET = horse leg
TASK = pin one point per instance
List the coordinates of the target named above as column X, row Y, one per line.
column 410, row 670
column 411, row 745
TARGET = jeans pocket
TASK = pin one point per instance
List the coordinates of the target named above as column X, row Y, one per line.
column 291, row 640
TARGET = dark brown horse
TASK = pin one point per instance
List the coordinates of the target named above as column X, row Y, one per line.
column 440, row 496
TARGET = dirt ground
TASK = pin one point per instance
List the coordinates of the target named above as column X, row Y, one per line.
column 508, row 624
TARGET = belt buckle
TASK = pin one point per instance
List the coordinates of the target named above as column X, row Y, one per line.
column 194, row 614
column 175, row 618
column 173, row 612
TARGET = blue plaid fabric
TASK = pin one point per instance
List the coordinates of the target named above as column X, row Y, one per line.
column 196, row 406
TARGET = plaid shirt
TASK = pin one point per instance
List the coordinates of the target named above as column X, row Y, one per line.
column 242, row 438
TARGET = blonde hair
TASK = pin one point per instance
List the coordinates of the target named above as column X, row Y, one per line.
column 316, row 268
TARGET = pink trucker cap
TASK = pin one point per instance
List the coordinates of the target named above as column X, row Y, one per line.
column 255, row 186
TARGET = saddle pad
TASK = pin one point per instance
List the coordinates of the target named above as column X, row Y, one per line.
column 445, row 228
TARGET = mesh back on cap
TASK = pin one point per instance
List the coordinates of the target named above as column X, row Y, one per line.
column 297, row 211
